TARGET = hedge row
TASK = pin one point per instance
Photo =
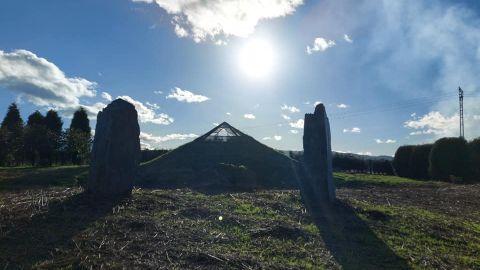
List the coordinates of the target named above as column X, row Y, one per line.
column 446, row 159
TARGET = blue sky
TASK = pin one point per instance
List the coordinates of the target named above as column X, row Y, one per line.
column 387, row 71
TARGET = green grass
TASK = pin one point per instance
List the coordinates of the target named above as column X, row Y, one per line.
column 375, row 179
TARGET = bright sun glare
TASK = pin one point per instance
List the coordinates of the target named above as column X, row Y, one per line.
column 257, row 59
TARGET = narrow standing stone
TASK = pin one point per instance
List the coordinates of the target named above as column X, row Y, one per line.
column 116, row 151
column 318, row 157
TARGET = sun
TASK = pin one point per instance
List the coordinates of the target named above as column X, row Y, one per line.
column 257, row 59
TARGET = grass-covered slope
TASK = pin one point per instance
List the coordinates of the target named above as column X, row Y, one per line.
column 379, row 222
column 242, row 162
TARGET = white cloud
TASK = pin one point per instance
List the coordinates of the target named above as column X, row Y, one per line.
column 347, row 38
column 342, row 106
column 186, row 96
column 215, row 124
column 148, row 140
column 291, row 109
column 320, row 45
column 148, row 115
column 216, row 20
column 434, row 123
column 227, row 113
column 106, row 96
column 277, row 138
column 249, row 116
column 388, row 141
column 352, row 130
column 158, row 92
column 286, row 117
column 298, row 124
column 293, row 131
column 41, row 82
column 153, row 106
column 316, row 103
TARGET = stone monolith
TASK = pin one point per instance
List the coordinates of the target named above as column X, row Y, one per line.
column 318, row 182
column 116, row 151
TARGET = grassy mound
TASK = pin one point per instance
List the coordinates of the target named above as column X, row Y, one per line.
column 240, row 163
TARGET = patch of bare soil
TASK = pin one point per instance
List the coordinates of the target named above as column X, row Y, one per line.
column 444, row 198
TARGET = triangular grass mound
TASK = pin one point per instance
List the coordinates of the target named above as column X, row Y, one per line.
column 223, row 158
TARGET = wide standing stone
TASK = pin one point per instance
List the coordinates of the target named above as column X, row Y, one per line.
column 318, row 157
column 116, row 150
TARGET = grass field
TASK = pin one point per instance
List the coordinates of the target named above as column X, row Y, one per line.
column 378, row 222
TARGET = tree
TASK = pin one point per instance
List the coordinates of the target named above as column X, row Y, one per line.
column 12, row 126
column 449, row 158
column 401, row 161
column 54, row 124
column 79, row 137
column 420, row 161
column 80, row 121
column 36, row 140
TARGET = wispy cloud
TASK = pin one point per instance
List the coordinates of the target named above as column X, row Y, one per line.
column 297, row 124
column 249, row 116
column 148, row 115
column 342, row 106
column 347, row 38
column 320, row 45
column 388, row 141
column 352, row 130
column 286, row 117
column 291, row 109
column 106, row 96
column 186, row 96
column 149, row 140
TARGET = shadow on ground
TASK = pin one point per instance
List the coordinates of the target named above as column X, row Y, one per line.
column 351, row 241
column 35, row 239
column 14, row 179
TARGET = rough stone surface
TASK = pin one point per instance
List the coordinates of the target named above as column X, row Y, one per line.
column 116, row 150
column 318, row 182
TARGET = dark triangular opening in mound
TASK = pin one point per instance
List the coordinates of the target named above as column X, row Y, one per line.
column 222, row 133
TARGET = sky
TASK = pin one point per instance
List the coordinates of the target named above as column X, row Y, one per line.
column 387, row 71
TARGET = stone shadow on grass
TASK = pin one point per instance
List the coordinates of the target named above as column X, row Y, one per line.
column 34, row 240
column 351, row 241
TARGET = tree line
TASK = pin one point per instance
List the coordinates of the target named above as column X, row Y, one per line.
column 41, row 141
column 448, row 159
column 346, row 162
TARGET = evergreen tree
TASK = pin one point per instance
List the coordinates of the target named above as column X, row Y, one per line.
column 80, row 121
column 36, row 140
column 54, row 124
column 12, row 129
column 79, row 137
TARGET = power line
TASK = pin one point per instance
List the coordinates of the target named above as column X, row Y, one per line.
column 398, row 106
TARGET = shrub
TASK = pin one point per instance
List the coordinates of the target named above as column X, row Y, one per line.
column 420, row 161
column 449, row 158
column 474, row 150
column 402, row 159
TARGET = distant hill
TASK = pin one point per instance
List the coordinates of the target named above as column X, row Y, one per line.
column 366, row 157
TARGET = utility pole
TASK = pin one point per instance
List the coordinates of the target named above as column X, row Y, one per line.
column 460, row 99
